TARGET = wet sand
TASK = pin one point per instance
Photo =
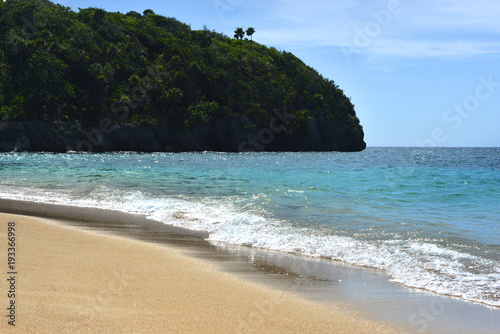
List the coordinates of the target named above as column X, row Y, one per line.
column 70, row 280
column 359, row 297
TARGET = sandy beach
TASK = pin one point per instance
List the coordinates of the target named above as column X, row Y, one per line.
column 69, row 280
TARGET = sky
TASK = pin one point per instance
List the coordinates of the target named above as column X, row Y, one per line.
column 420, row 73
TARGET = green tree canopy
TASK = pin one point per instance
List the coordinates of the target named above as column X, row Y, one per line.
column 57, row 64
column 239, row 33
column 47, row 92
column 250, row 31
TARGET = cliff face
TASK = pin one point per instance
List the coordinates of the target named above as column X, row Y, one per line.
column 224, row 134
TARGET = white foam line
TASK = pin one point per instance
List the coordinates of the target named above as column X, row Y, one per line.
column 413, row 263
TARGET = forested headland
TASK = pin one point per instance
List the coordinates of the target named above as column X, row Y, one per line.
column 101, row 81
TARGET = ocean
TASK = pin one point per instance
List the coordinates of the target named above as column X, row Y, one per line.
column 428, row 217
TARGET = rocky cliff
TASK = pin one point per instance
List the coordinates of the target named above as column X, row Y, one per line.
column 225, row 134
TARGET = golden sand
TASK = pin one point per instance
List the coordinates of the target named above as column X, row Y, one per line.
column 75, row 281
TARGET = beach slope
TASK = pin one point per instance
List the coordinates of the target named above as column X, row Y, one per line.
column 69, row 281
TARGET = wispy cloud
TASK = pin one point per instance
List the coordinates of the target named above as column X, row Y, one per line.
column 435, row 49
column 438, row 28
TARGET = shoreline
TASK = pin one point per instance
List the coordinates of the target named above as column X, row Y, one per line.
column 368, row 293
column 72, row 280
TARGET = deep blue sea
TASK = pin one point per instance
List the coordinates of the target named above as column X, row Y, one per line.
column 428, row 217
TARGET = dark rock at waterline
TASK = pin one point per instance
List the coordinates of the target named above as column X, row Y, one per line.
column 223, row 134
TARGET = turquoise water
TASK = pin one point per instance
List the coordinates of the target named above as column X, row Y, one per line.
column 428, row 217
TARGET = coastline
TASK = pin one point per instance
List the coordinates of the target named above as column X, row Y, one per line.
column 350, row 292
column 73, row 280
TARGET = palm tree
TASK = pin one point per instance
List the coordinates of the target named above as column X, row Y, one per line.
column 250, row 32
column 238, row 34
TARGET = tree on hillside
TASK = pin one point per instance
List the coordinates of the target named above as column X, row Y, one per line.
column 250, row 31
column 46, row 89
column 238, row 34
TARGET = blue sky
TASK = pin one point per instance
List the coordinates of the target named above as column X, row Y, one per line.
column 420, row 73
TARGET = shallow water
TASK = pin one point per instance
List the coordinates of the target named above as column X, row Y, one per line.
column 429, row 218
